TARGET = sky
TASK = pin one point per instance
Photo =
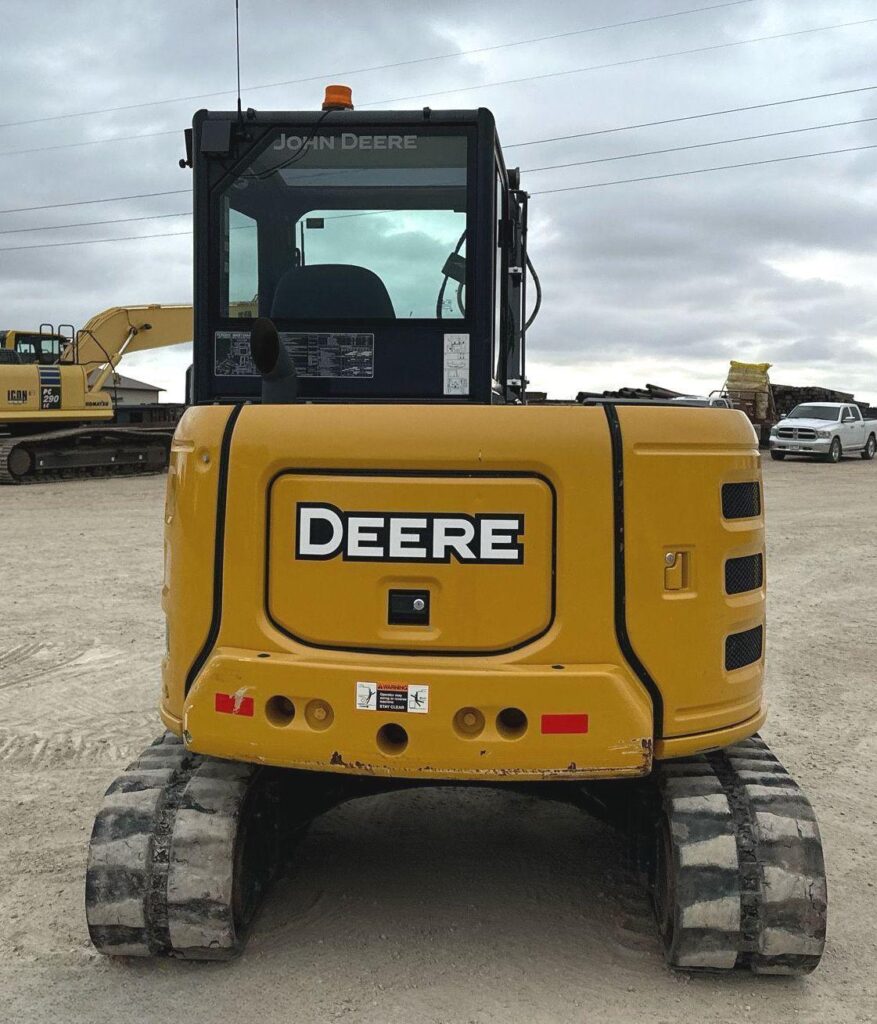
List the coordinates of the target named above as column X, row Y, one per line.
column 659, row 281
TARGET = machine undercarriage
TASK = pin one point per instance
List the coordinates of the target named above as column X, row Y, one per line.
column 85, row 452
column 185, row 847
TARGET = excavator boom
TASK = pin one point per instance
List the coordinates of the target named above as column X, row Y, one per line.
column 123, row 330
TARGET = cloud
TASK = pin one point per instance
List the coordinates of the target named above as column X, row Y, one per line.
column 666, row 278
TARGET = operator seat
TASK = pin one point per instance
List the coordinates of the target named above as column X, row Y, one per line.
column 331, row 291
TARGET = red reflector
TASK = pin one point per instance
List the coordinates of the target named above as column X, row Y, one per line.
column 564, row 723
column 228, row 704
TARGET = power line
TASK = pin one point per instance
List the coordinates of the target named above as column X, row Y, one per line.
column 623, row 63
column 691, row 117
column 696, row 145
column 515, row 145
column 518, row 81
column 91, row 142
column 544, row 192
column 386, row 67
column 164, row 216
column 95, row 241
column 512, row 145
column 701, row 170
column 525, row 170
column 94, row 223
column 90, row 202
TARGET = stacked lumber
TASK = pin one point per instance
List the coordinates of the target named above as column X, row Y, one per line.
column 787, row 396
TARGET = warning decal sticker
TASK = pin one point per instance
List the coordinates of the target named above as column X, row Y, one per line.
column 406, row 697
column 313, row 355
column 456, row 364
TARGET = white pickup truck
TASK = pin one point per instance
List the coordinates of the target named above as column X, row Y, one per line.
column 826, row 430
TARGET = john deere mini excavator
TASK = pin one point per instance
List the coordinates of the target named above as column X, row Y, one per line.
column 383, row 568
column 57, row 416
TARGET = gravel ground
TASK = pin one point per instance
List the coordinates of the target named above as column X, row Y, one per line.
column 430, row 906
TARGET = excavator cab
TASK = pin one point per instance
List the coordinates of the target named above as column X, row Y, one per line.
column 48, row 347
column 384, row 569
column 389, row 251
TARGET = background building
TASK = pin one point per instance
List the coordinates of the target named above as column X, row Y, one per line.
column 127, row 391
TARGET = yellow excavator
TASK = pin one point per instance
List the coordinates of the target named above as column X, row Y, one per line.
column 57, row 415
column 384, row 569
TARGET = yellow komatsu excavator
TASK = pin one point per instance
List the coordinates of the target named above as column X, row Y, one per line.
column 384, row 569
column 57, row 416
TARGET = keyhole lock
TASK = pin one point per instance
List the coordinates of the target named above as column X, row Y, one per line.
column 408, row 608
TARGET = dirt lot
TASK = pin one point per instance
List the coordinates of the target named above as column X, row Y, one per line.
column 424, row 907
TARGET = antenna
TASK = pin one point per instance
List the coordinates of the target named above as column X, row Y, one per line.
column 237, row 36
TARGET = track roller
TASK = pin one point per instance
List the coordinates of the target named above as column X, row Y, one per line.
column 738, row 878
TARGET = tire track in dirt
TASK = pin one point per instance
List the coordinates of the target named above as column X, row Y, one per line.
column 29, row 751
column 62, row 706
column 35, row 663
column 16, row 655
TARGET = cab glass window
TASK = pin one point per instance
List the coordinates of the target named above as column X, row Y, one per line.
column 27, row 349
column 242, row 265
column 50, row 350
column 348, row 225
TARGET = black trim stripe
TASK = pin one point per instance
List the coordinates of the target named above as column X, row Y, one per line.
column 218, row 549
column 414, row 473
column 630, row 655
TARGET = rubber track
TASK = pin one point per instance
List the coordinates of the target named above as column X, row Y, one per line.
column 750, row 889
column 123, row 435
column 162, row 865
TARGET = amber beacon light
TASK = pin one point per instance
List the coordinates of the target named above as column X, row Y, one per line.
column 338, row 97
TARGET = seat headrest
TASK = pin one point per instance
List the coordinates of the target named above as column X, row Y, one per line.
column 330, row 291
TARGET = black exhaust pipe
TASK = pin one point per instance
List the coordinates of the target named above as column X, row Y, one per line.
column 279, row 379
